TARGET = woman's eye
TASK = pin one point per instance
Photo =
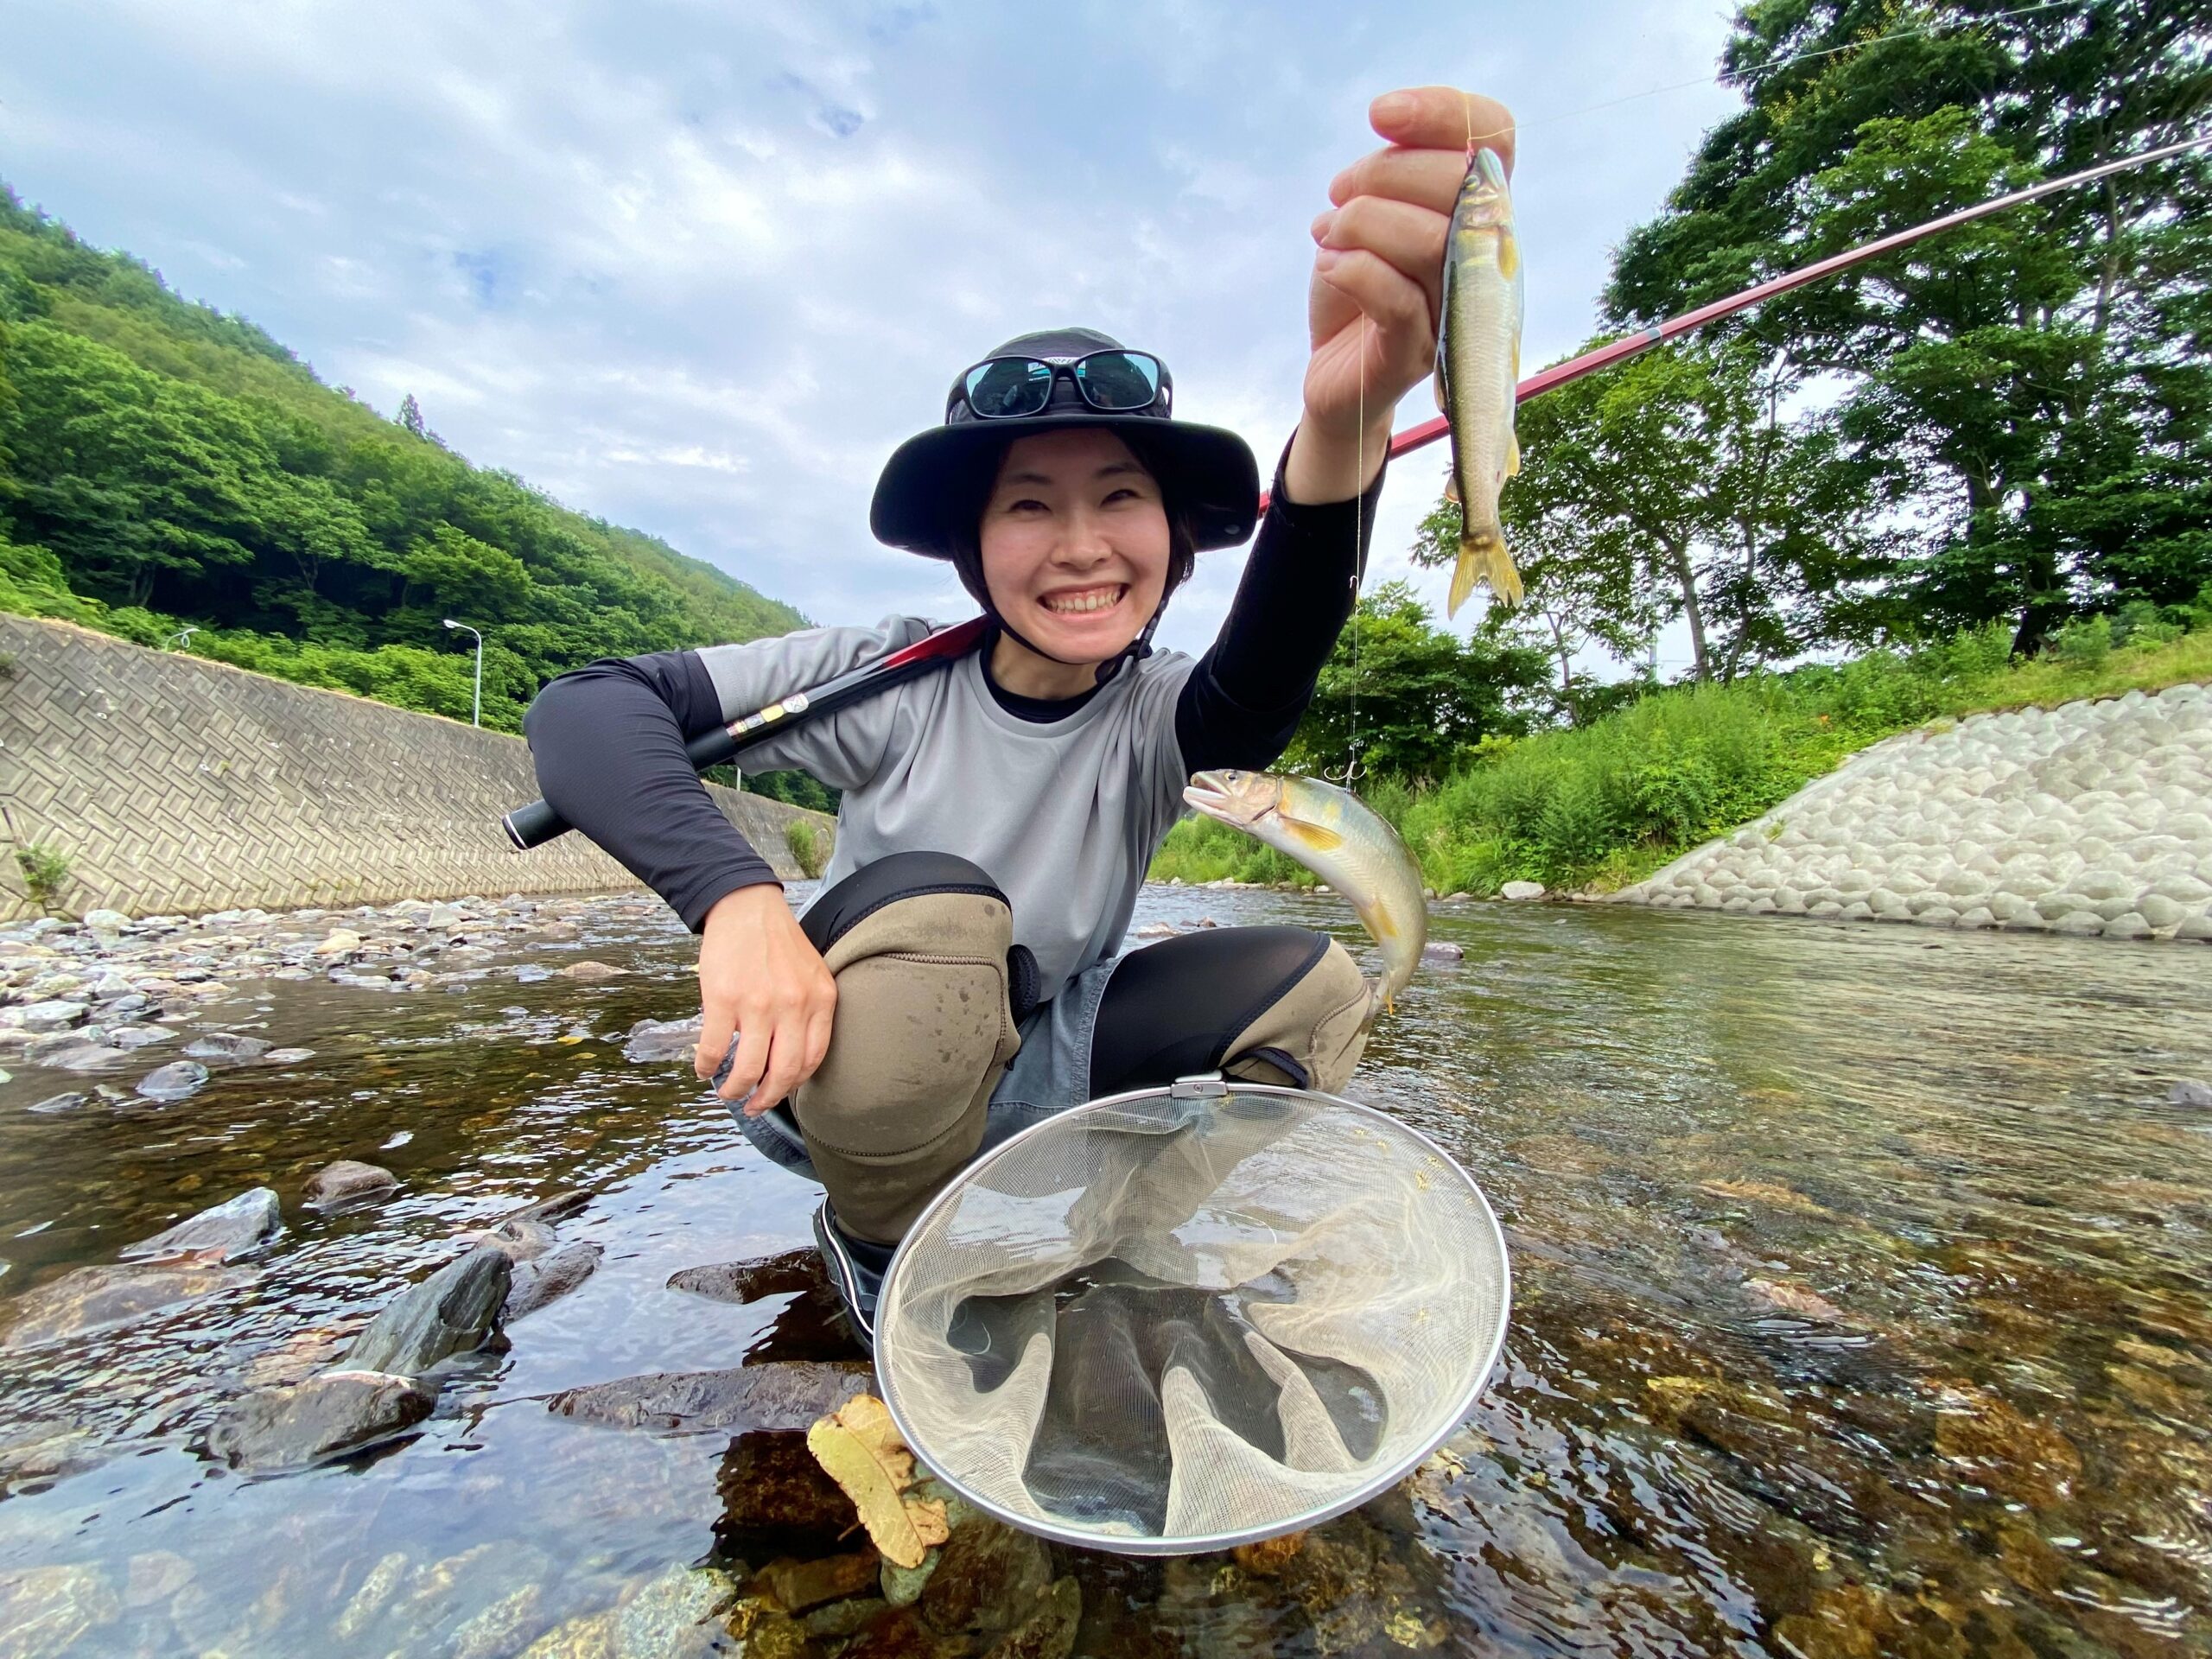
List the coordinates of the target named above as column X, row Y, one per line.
column 1026, row 505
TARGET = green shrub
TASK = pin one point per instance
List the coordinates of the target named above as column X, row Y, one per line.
column 2083, row 643
column 808, row 848
column 45, row 872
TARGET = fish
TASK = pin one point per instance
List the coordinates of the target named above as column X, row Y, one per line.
column 1477, row 371
column 1341, row 839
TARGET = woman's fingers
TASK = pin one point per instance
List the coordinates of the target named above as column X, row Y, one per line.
column 1410, row 238
column 1443, row 117
column 1398, row 306
column 751, row 1060
column 1427, row 178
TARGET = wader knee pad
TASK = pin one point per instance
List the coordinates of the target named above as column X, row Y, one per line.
column 923, row 1030
column 1318, row 1024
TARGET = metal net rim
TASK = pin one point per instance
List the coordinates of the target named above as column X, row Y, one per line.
column 1202, row 1543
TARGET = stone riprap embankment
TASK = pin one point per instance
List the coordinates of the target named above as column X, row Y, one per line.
column 2091, row 819
column 166, row 783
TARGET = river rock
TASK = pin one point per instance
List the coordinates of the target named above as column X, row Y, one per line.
column 55, row 1016
column 662, row 1040
column 1440, row 952
column 792, row 1273
column 663, row 1618
column 54, row 1104
column 1156, row 931
column 788, row 1394
column 559, row 1207
column 518, row 1238
column 226, row 1045
column 339, row 942
column 326, row 1416
column 92, row 1299
column 47, row 1610
column 454, row 1311
column 105, row 921
column 139, row 1036
column 230, row 1228
column 177, row 1080
column 345, row 1182
column 777, row 1497
column 589, row 972
column 796, row 1586
column 2189, row 1092
column 287, row 1056
column 548, row 1279
column 1521, row 889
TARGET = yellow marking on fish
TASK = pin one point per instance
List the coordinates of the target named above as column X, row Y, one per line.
column 1509, row 256
column 1320, row 838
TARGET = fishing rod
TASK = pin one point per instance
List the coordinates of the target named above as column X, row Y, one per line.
column 535, row 824
column 1643, row 339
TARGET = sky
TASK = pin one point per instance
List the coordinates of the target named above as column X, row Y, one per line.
column 699, row 268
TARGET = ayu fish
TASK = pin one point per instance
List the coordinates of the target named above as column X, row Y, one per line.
column 1477, row 370
column 1338, row 836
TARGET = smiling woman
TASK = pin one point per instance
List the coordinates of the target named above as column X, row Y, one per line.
column 959, row 976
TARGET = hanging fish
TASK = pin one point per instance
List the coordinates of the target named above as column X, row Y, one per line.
column 1477, row 368
column 1341, row 839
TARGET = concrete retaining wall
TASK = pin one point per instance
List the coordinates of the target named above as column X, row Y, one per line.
column 172, row 784
column 2093, row 818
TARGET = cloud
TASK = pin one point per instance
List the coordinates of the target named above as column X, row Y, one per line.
column 699, row 268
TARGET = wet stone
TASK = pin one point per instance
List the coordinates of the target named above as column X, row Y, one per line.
column 346, row 1182
column 53, row 1105
column 785, row 1396
column 454, row 1311
column 1440, row 952
column 331, row 1415
column 789, row 1274
column 175, row 1081
column 139, row 1036
column 48, row 1610
column 518, row 1238
column 670, row 1615
column 233, row 1229
column 287, row 1056
column 776, row 1496
column 2189, row 1091
column 796, row 1586
column 545, row 1281
column 226, row 1045
column 652, row 1040
column 93, row 1299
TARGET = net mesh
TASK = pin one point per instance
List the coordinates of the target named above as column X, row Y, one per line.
column 1167, row 1318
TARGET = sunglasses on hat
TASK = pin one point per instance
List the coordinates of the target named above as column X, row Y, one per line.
column 1114, row 382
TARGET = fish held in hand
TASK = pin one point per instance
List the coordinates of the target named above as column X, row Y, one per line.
column 1477, row 372
column 1340, row 837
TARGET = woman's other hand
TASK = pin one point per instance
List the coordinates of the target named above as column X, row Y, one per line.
column 1376, row 295
column 761, row 978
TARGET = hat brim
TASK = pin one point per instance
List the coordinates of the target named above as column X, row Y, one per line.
column 1213, row 478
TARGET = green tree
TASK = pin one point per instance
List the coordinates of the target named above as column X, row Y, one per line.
column 1406, row 697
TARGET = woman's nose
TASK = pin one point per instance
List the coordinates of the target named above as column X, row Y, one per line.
column 1085, row 543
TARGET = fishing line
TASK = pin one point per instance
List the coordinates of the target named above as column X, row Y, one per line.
column 1744, row 76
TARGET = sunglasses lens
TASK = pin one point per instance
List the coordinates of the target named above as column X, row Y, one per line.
column 1119, row 379
column 1009, row 386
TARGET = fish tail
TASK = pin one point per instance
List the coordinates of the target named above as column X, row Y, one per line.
column 1483, row 558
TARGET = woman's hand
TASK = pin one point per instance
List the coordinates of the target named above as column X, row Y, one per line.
column 760, row 978
column 1376, row 296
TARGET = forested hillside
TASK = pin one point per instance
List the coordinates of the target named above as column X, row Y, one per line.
column 164, row 466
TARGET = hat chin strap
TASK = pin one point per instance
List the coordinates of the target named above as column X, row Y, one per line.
column 1137, row 648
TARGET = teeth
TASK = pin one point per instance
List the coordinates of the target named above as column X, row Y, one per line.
column 1098, row 601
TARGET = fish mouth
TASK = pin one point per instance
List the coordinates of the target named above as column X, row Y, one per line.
column 1217, row 795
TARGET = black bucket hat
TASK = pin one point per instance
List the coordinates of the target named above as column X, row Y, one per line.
column 1210, row 475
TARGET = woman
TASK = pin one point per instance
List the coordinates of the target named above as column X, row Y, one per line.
column 957, row 976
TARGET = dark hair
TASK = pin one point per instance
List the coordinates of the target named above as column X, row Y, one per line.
column 967, row 493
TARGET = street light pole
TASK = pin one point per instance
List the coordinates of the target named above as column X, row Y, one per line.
column 476, row 709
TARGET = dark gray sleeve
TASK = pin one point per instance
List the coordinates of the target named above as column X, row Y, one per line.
column 1244, row 701
column 608, row 740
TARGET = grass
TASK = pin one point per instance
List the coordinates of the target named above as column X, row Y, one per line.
column 1605, row 804
column 808, row 851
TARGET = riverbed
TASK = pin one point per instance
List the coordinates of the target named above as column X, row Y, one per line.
column 1862, row 1306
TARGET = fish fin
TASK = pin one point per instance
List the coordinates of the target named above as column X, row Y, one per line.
column 1451, row 488
column 1513, row 455
column 1319, row 837
column 1505, row 579
column 1463, row 581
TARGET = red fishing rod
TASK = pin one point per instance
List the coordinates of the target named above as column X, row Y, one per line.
column 535, row 824
column 1643, row 339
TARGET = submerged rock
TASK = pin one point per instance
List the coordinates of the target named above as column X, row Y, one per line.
column 454, row 1311
column 518, row 1238
column 175, row 1081
column 559, row 1207
column 789, row 1274
column 287, row 1056
column 345, row 1182
column 54, row 1104
column 548, row 1279
column 327, row 1416
column 2189, row 1092
column 81, row 1057
column 139, row 1036
column 1439, row 950
column 591, row 972
column 226, row 1045
column 92, row 1298
column 787, row 1395
column 796, row 1586
column 229, row 1228
column 48, row 1610
column 662, row 1040
column 776, row 1496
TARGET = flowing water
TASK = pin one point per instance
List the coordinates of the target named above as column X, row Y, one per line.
column 1861, row 1307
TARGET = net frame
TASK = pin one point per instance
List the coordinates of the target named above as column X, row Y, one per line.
column 1379, row 1480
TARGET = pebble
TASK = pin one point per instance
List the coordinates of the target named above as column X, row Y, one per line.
column 345, row 1182
column 2189, row 1092
column 226, row 1045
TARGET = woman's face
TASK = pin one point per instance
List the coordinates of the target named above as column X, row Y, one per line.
column 1075, row 543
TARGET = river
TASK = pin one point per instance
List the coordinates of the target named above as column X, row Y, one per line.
column 1861, row 1307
